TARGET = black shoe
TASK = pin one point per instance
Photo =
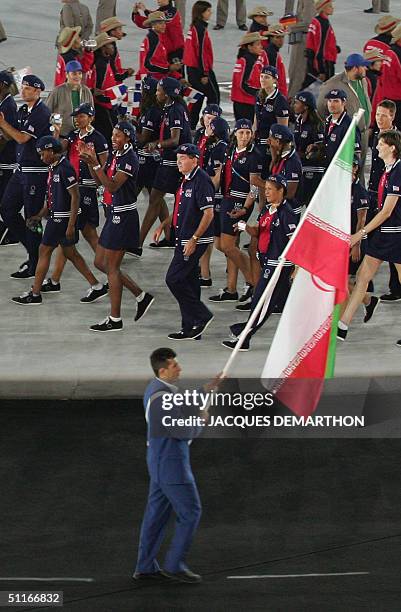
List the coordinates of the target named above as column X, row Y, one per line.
column 341, row 334
column 244, row 307
column 218, row 27
column 49, row 287
column 5, row 239
column 205, row 282
column 28, row 299
column 179, row 336
column 247, row 294
column 370, row 308
column 148, row 576
column 135, row 252
column 199, row 329
column 276, row 311
column 184, row 576
column 398, row 343
column 389, row 298
column 107, row 325
column 243, row 28
column 92, row 295
column 231, row 344
column 24, row 273
column 369, row 10
column 143, row 306
column 224, row 296
column 162, row 244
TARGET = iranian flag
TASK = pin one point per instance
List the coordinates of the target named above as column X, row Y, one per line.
column 302, row 353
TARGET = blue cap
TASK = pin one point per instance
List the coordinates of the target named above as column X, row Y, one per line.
column 243, row 124
column 49, row 142
column 172, row 87
column 127, row 128
column 307, row 98
column 85, row 108
column 6, row 77
column 281, row 132
column 33, row 81
column 220, row 128
column 272, row 70
column 73, row 66
column 356, row 59
column 336, row 94
column 149, row 84
column 188, row 149
column 212, row 109
column 279, row 179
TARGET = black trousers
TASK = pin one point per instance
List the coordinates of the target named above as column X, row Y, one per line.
column 211, row 91
column 5, row 176
column 394, row 284
column 243, row 111
column 105, row 120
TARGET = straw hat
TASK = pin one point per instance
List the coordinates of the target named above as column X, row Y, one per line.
column 67, row 37
column 320, row 5
column 259, row 11
column 277, row 30
column 155, row 17
column 386, row 24
column 104, row 39
column 251, row 37
column 109, row 24
column 374, row 55
column 396, row 33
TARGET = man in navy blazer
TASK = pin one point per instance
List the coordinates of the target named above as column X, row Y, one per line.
column 172, row 483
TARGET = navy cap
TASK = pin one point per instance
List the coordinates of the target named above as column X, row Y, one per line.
column 220, row 128
column 188, row 149
column 6, row 78
column 212, row 109
column 336, row 94
column 243, row 124
column 307, row 98
column 73, row 66
column 356, row 59
column 49, row 142
column 85, row 108
column 272, row 70
column 281, row 132
column 127, row 128
column 33, row 81
column 149, row 84
column 171, row 86
column 279, row 179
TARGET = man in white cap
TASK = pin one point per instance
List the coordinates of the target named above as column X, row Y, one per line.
column 222, row 14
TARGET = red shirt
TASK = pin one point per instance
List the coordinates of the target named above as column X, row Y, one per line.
column 265, row 221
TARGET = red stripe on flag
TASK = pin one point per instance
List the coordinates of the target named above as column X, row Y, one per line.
column 324, row 252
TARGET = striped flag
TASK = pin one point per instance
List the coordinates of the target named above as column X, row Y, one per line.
column 132, row 100
column 302, row 353
column 116, row 94
column 191, row 96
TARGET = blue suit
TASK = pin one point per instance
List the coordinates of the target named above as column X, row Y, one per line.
column 172, row 485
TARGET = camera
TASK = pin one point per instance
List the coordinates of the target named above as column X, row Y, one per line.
column 55, row 119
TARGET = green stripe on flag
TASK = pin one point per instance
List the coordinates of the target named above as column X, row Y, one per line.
column 331, row 354
column 346, row 153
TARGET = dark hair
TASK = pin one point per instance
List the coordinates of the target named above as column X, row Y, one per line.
column 198, row 9
column 278, row 186
column 160, row 357
column 148, row 100
column 232, row 143
column 315, row 119
column 179, row 100
column 389, row 104
column 393, row 139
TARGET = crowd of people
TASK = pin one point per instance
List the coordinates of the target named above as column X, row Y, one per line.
column 75, row 157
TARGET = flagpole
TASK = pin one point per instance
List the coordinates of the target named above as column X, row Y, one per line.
column 272, row 282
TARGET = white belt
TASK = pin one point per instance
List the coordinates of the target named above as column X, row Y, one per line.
column 124, row 207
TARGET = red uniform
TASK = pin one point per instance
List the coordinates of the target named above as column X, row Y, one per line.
column 153, row 58
column 272, row 57
column 321, row 47
column 173, row 38
column 198, row 53
column 246, row 78
column 108, row 81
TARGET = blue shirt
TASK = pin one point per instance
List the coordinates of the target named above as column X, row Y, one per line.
column 7, row 154
column 392, row 187
column 196, row 194
column 247, row 162
column 175, row 116
column 283, row 225
column 127, row 162
column 274, row 107
column 35, row 123
column 151, row 121
column 305, row 134
column 360, row 200
column 60, row 180
column 290, row 167
column 214, row 156
column 333, row 139
column 100, row 145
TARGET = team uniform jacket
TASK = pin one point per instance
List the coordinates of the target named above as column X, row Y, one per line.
column 321, row 47
column 120, row 73
column 245, row 81
column 125, row 161
column 275, row 106
column 198, row 51
column 8, row 107
column 305, row 134
column 61, row 179
column 276, row 227
column 36, row 124
column 173, row 38
column 104, row 78
column 174, row 116
column 214, row 158
column 153, row 57
column 334, row 133
column 100, row 145
column 196, row 194
column 235, row 176
column 290, row 167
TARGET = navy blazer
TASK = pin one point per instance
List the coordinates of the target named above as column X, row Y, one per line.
column 168, row 457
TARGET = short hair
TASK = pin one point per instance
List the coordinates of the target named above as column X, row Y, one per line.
column 160, row 357
column 393, row 139
column 390, row 105
column 279, row 186
column 198, row 9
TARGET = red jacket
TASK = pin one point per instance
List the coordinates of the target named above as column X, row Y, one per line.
column 314, row 42
column 108, row 81
column 246, row 79
column 173, row 38
column 153, row 58
column 198, row 51
column 272, row 57
column 86, row 60
column 389, row 83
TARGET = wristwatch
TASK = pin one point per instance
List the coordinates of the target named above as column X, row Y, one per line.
column 196, row 238
column 363, row 232
column 96, row 167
